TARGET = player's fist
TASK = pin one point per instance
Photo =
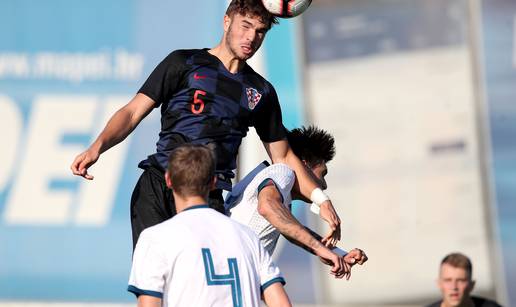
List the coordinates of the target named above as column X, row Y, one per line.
column 355, row 256
column 82, row 162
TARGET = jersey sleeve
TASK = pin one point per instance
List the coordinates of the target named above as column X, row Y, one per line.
column 269, row 272
column 281, row 176
column 149, row 268
column 268, row 121
column 165, row 80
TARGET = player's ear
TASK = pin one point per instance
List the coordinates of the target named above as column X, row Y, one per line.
column 213, row 183
column 168, row 181
column 227, row 22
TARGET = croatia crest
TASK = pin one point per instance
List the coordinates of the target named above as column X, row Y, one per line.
column 253, row 97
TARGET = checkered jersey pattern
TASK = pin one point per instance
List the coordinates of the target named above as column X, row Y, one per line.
column 202, row 102
column 246, row 210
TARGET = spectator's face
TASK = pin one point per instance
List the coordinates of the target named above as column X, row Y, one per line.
column 243, row 35
column 455, row 285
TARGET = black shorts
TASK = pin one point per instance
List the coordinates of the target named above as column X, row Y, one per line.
column 152, row 202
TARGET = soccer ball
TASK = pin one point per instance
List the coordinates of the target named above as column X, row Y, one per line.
column 286, row 8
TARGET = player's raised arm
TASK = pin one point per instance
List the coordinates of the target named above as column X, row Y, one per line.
column 280, row 151
column 354, row 256
column 121, row 124
column 270, row 206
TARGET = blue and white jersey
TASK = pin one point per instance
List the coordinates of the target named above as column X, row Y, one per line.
column 244, row 208
column 202, row 258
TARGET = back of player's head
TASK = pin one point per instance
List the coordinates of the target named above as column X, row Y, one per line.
column 458, row 260
column 191, row 168
column 253, row 8
column 312, row 144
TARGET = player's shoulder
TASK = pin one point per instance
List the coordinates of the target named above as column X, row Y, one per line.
column 258, row 80
column 484, row 302
column 186, row 56
column 277, row 171
column 155, row 232
column 282, row 175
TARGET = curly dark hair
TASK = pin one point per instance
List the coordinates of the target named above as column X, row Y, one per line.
column 312, row 144
column 252, row 8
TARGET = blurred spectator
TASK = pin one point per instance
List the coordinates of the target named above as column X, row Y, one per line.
column 456, row 284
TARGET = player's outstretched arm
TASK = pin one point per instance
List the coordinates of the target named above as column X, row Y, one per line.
column 270, row 206
column 355, row 256
column 121, row 124
column 280, row 151
column 276, row 296
column 148, row 301
column 308, row 249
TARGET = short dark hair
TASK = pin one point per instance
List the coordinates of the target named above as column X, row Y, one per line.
column 191, row 168
column 253, row 8
column 458, row 260
column 312, row 144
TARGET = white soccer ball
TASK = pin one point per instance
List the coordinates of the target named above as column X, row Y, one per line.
column 286, row 8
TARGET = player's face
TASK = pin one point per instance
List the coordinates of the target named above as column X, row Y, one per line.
column 244, row 35
column 455, row 285
column 319, row 171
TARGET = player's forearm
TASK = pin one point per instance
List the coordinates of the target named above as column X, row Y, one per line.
column 305, row 181
column 122, row 123
column 275, row 296
column 312, row 233
column 283, row 220
column 148, row 301
column 318, row 237
column 299, row 244
column 116, row 130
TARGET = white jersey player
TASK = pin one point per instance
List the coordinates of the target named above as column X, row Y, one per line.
column 245, row 210
column 201, row 257
column 262, row 199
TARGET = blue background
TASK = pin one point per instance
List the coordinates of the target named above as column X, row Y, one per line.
column 73, row 263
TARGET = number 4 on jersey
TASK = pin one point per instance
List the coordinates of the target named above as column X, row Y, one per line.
column 232, row 279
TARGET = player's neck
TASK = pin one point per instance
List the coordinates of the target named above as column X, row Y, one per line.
column 183, row 203
column 228, row 59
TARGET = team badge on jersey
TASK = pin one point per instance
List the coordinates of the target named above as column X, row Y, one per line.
column 253, row 97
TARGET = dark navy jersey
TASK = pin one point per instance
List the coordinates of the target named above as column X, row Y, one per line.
column 477, row 302
column 203, row 103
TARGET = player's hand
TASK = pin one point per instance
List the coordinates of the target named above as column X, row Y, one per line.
column 339, row 268
column 355, row 256
column 82, row 162
column 328, row 214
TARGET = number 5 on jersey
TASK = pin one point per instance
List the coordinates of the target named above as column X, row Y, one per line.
column 198, row 103
column 232, row 279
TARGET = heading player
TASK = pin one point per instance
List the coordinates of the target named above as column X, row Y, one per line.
column 185, row 260
column 262, row 199
column 206, row 96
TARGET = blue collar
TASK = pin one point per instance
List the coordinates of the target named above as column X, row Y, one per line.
column 197, row 207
